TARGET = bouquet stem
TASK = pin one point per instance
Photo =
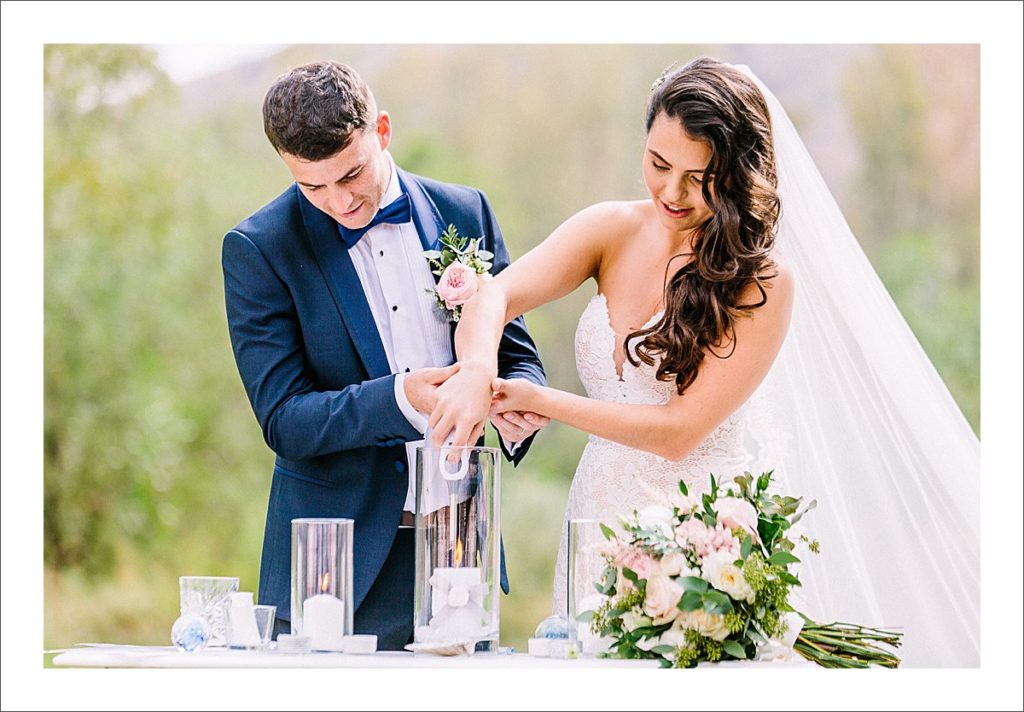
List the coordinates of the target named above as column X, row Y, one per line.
column 845, row 645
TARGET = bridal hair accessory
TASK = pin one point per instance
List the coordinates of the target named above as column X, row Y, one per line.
column 663, row 76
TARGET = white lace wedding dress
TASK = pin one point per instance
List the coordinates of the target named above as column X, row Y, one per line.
column 614, row 479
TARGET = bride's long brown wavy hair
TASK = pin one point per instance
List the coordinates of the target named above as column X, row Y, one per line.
column 721, row 106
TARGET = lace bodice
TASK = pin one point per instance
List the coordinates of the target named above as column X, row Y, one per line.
column 613, row 478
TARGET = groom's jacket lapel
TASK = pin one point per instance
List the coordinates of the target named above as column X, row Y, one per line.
column 429, row 225
column 425, row 214
column 345, row 287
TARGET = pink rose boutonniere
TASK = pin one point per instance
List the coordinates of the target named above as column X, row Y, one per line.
column 462, row 268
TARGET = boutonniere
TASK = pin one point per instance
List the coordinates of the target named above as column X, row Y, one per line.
column 462, row 268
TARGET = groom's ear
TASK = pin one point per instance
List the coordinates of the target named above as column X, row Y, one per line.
column 384, row 130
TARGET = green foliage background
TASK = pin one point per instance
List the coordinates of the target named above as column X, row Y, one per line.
column 154, row 464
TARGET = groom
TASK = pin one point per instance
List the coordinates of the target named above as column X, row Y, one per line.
column 337, row 341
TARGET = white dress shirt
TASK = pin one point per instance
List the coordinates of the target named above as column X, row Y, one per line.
column 397, row 279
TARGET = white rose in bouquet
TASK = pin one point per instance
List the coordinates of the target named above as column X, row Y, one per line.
column 721, row 572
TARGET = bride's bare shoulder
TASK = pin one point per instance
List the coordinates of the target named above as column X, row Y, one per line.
column 611, row 216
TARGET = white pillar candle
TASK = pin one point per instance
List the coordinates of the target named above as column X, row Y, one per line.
column 323, row 622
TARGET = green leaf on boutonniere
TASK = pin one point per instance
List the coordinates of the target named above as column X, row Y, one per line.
column 692, row 583
column 607, row 531
column 682, row 488
column 585, row 617
column 432, row 254
column 781, row 558
column 746, row 546
column 734, row 649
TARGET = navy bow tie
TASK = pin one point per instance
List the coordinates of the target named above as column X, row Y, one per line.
column 396, row 213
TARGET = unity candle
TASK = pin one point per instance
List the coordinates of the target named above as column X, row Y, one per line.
column 458, row 563
column 453, row 586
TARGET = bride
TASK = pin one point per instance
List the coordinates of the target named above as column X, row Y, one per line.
column 738, row 327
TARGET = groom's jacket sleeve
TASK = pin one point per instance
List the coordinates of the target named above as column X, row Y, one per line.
column 298, row 420
column 517, row 354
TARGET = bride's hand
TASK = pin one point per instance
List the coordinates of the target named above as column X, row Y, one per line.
column 513, row 394
column 462, row 406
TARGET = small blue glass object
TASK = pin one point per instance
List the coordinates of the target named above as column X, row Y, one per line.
column 553, row 627
column 190, row 633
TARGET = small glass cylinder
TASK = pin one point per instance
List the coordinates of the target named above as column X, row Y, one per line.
column 265, row 616
column 321, row 605
column 458, row 539
column 586, row 565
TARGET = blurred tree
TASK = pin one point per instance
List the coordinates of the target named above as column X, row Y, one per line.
column 138, row 442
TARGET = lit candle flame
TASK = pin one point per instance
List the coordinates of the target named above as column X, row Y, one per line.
column 324, row 582
column 458, row 552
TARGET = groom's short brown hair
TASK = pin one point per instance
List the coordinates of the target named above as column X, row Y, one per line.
column 313, row 111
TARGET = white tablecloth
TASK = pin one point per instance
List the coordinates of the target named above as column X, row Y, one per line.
column 127, row 656
column 132, row 656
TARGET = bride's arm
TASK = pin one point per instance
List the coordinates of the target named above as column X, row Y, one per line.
column 674, row 429
column 555, row 267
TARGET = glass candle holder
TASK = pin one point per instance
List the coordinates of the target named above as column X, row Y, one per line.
column 586, row 566
column 458, row 556
column 208, row 598
column 321, row 605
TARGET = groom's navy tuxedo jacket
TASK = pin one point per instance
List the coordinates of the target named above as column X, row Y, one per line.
column 317, row 376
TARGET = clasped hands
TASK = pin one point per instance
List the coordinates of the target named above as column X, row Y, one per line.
column 459, row 399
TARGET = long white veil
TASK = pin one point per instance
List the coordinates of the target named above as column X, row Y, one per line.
column 865, row 425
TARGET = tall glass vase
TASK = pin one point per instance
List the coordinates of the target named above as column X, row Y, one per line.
column 321, row 606
column 458, row 564
column 586, row 566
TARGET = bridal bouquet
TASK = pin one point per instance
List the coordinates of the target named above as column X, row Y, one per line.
column 708, row 578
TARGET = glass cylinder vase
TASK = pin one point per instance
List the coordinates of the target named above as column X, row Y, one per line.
column 458, row 555
column 321, row 605
column 586, row 565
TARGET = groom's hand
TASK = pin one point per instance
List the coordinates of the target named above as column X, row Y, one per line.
column 463, row 402
column 421, row 386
